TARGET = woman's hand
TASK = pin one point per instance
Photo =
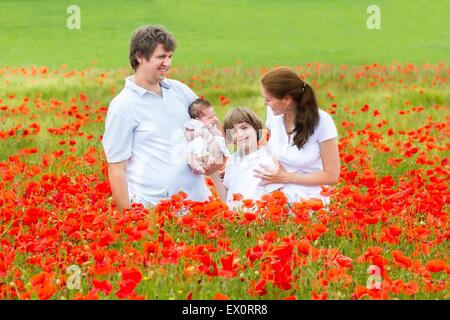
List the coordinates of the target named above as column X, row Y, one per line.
column 268, row 175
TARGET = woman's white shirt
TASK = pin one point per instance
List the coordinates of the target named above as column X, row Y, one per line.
column 304, row 160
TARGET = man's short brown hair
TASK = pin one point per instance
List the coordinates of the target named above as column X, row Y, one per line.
column 145, row 40
column 240, row 115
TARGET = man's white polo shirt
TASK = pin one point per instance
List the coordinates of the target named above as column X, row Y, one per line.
column 144, row 129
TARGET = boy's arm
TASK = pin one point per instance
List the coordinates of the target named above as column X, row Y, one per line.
column 119, row 185
column 210, row 170
column 213, row 169
column 220, row 187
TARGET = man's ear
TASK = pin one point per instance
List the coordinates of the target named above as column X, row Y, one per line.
column 139, row 57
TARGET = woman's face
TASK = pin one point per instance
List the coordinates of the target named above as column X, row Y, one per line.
column 245, row 137
column 278, row 106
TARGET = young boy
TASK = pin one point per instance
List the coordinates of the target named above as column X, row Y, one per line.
column 245, row 129
column 206, row 144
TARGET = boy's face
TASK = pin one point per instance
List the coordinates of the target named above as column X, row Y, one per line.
column 245, row 137
column 208, row 117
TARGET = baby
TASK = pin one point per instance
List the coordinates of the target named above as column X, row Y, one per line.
column 206, row 144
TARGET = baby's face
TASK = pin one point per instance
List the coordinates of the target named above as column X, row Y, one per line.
column 208, row 117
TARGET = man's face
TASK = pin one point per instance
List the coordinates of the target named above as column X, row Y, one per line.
column 208, row 117
column 156, row 67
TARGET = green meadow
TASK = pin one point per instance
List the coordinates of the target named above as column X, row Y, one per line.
column 226, row 33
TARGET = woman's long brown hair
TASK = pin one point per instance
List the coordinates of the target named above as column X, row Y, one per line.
column 281, row 82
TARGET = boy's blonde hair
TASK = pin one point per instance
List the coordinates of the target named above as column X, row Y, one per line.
column 243, row 114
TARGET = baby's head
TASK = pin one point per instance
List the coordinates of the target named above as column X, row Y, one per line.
column 244, row 128
column 202, row 110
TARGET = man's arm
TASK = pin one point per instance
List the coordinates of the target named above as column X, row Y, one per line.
column 119, row 186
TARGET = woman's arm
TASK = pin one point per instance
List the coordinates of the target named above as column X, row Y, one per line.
column 329, row 154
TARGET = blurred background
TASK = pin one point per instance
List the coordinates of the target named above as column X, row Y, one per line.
column 226, row 33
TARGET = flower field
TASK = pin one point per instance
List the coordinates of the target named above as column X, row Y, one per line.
column 384, row 236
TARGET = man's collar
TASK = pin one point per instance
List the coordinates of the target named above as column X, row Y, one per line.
column 130, row 84
column 165, row 83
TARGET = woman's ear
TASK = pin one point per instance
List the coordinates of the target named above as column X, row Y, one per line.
column 288, row 100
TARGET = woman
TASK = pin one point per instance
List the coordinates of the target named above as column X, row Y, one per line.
column 302, row 137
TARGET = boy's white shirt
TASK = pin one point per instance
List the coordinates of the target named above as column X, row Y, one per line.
column 239, row 175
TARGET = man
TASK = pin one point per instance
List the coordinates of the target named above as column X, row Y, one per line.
column 140, row 125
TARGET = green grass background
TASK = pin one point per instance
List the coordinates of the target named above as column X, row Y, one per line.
column 226, row 33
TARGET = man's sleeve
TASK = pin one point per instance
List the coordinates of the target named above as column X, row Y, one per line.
column 188, row 94
column 118, row 137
